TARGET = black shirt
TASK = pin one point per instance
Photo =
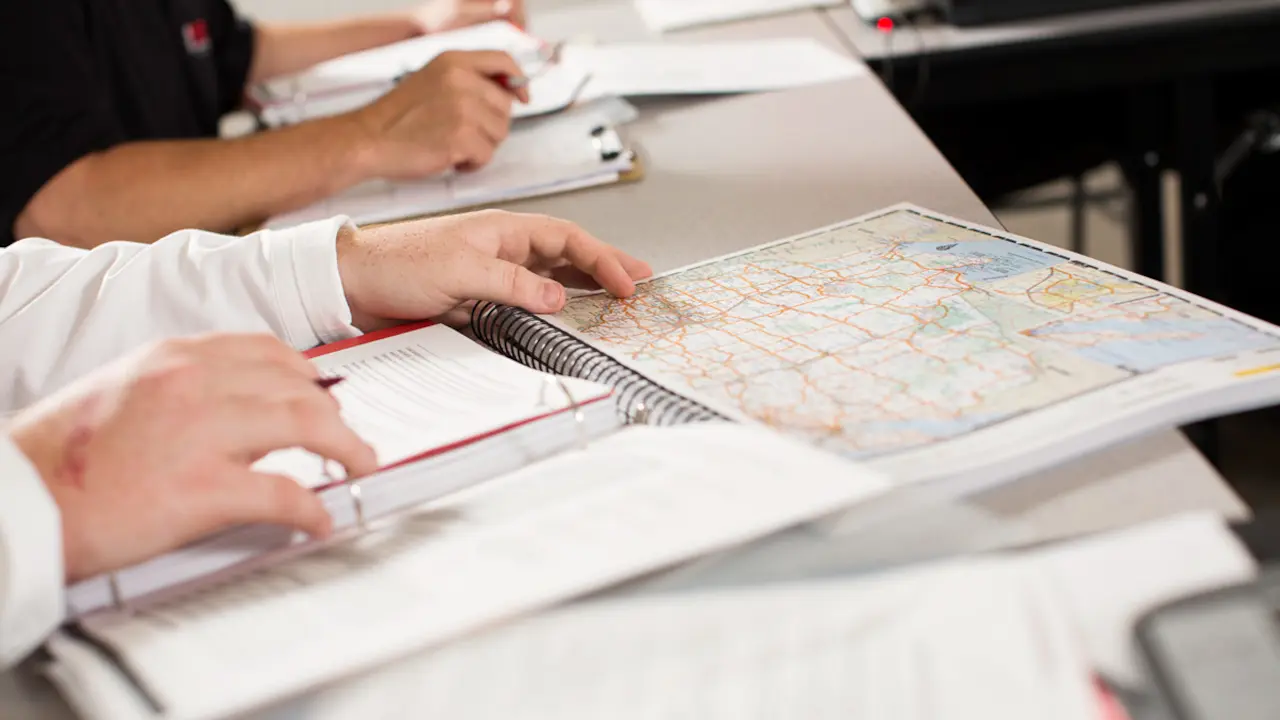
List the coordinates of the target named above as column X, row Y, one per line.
column 79, row 76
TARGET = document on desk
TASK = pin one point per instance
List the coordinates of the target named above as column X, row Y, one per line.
column 974, row 639
column 633, row 502
column 638, row 69
column 576, row 150
column 665, row 15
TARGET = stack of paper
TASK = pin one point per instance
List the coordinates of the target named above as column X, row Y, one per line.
column 664, row 15
column 550, row 156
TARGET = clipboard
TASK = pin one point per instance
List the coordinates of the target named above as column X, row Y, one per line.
column 607, row 144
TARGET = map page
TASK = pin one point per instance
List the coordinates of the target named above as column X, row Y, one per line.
column 903, row 329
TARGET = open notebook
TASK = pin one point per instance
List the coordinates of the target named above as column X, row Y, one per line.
column 928, row 348
column 506, row 490
column 355, row 80
column 580, row 73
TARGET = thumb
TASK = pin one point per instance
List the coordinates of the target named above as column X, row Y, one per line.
column 489, row 62
column 500, row 281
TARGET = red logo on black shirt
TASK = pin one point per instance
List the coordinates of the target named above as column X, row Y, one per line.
column 195, row 35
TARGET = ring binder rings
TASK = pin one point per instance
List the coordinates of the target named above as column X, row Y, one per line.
column 536, row 343
column 357, row 501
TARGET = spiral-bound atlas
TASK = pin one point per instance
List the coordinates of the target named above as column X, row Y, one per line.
column 536, row 343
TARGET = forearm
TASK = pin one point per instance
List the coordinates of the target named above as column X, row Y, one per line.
column 71, row 310
column 144, row 190
column 285, row 49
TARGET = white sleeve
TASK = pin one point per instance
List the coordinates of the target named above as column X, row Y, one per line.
column 31, row 573
column 65, row 311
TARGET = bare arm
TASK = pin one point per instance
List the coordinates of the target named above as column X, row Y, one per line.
column 447, row 115
column 145, row 190
column 284, row 49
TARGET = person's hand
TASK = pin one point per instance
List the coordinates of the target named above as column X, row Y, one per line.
column 441, row 15
column 155, row 451
column 453, row 113
column 429, row 268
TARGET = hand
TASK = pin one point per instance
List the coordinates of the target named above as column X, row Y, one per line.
column 154, row 451
column 431, row 268
column 451, row 114
column 442, row 15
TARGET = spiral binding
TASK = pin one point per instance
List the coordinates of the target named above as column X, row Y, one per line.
column 536, row 343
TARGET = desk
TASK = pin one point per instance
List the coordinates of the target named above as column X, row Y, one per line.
column 1166, row 58
column 728, row 173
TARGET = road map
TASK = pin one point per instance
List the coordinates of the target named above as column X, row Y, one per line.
column 901, row 329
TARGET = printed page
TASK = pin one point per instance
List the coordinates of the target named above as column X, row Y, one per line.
column 634, row 502
column 974, row 639
column 933, row 348
column 664, row 15
column 427, row 389
column 635, row 69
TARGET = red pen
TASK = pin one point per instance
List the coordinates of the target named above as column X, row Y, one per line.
column 328, row 382
column 511, row 84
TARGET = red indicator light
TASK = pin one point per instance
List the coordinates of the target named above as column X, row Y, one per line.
column 884, row 24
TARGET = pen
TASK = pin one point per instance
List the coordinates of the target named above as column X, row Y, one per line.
column 328, row 382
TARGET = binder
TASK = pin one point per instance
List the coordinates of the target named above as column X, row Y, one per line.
column 570, row 419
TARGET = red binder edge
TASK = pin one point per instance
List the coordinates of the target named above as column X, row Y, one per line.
column 365, row 339
column 400, row 330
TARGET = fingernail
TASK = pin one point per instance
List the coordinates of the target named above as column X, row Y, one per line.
column 552, row 294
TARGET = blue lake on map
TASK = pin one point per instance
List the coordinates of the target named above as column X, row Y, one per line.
column 1151, row 343
column 993, row 259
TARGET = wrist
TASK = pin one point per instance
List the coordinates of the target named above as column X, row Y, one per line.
column 353, row 263
column 353, row 138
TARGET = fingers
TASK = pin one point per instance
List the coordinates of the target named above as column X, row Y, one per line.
column 256, row 348
column 252, row 428
column 489, row 278
column 472, row 148
column 613, row 269
column 277, row 500
column 489, row 63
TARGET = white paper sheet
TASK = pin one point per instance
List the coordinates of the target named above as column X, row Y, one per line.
column 664, row 15
column 974, row 639
column 637, row 69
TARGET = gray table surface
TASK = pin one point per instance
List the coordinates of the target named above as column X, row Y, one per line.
column 728, row 173
column 909, row 41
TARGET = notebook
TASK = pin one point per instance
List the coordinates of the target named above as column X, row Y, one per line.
column 925, row 347
column 355, row 80
column 666, row 15
column 579, row 149
column 581, row 73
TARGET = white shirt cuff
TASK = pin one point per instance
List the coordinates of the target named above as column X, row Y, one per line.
column 31, row 570
column 308, row 286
